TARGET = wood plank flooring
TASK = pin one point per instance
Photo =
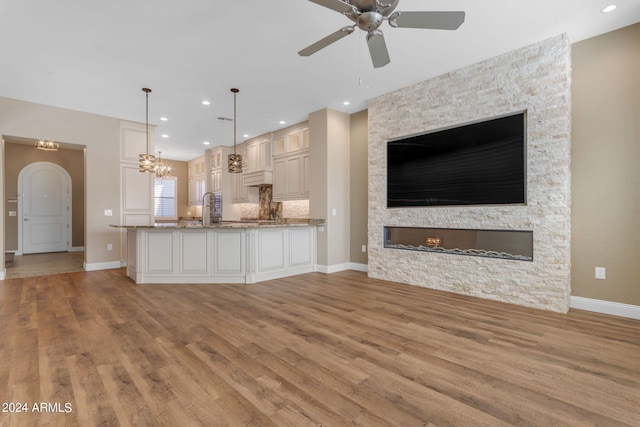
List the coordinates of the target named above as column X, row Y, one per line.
column 310, row 350
column 46, row 263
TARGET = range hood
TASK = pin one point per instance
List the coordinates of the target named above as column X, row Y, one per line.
column 257, row 178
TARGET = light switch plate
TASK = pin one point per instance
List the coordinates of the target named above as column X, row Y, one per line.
column 108, row 212
column 601, row 273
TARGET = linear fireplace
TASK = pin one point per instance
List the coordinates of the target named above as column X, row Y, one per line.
column 504, row 244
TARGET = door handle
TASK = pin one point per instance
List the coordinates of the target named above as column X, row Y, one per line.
column 27, row 219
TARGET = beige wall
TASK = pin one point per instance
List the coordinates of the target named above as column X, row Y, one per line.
column 17, row 156
column 329, row 133
column 606, row 174
column 358, row 165
column 101, row 137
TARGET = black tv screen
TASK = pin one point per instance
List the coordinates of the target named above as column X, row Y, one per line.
column 481, row 163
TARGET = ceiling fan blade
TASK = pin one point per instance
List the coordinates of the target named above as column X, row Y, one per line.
column 428, row 20
column 331, row 38
column 378, row 49
column 337, row 5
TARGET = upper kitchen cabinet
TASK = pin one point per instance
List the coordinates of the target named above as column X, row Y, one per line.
column 196, row 183
column 215, row 158
column 257, row 169
column 291, row 164
column 292, row 140
column 196, row 167
column 215, row 169
column 242, row 193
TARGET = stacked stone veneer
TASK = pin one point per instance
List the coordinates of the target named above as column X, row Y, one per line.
column 535, row 79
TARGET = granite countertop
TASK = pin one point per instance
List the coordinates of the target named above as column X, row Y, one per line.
column 287, row 222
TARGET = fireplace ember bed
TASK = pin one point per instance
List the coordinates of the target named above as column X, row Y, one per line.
column 503, row 244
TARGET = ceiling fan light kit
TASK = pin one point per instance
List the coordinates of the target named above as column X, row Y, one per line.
column 47, row 145
column 368, row 15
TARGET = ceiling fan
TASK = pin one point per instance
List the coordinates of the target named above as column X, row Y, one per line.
column 368, row 16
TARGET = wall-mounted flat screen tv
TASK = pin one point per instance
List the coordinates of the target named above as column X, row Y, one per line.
column 482, row 163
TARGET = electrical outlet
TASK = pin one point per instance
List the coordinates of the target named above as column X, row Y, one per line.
column 108, row 212
column 601, row 273
column 109, row 247
column 364, row 248
column 334, row 212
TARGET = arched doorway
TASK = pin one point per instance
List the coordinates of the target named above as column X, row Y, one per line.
column 44, row 208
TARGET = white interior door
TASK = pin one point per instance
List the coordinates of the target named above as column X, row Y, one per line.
column 46, row 208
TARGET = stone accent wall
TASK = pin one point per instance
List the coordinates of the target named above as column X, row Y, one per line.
column 535, row 79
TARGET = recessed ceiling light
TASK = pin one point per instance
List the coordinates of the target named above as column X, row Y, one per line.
column 282, row 122
column 164, row 135
column 346, row 103
column 206, row 143
column 205, row 102
column 609, row 8
column 245, row 135
column 164, row 119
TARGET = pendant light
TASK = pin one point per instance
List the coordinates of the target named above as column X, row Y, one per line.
column 163, row 170
column 147, row 162
column 234, row 160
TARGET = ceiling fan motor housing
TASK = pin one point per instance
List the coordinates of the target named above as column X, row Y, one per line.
column 369, row 21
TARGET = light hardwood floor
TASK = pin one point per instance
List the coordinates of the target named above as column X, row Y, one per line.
column 42, row 264
column 315, row 349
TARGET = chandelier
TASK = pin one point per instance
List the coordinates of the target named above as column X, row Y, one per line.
column 163, row 170
column 47, row 145
column 234, row 160
column 147, row 162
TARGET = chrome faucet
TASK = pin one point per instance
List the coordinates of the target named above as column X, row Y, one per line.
column 204, row 197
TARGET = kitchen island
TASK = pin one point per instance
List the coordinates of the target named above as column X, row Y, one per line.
column 229, row 252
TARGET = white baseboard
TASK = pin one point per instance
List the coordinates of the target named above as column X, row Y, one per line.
column 94, row 266
column 3, row 273
column 329, row 269
column 77, row 249
column 606, row 307
column 359, row 267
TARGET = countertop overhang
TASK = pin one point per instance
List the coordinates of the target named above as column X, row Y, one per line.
column 230, row 224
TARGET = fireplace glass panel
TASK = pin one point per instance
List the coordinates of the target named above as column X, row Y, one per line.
column 504, row 244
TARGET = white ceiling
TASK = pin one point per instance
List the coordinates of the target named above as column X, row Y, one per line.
column 97, row 56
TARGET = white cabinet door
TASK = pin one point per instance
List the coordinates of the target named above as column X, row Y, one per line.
column 215, row 181
column 240, row 192
column 196, row 189
column 291, row 177
column 306, row 164
column 294, row 175
column 250, row 164
column 264, row 154
column 193, row 192
column 279, row 178
column 258, row 156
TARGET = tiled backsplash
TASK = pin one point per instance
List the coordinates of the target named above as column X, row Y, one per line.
column 290, row 209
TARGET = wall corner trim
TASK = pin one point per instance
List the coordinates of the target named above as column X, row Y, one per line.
column 606, row 307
